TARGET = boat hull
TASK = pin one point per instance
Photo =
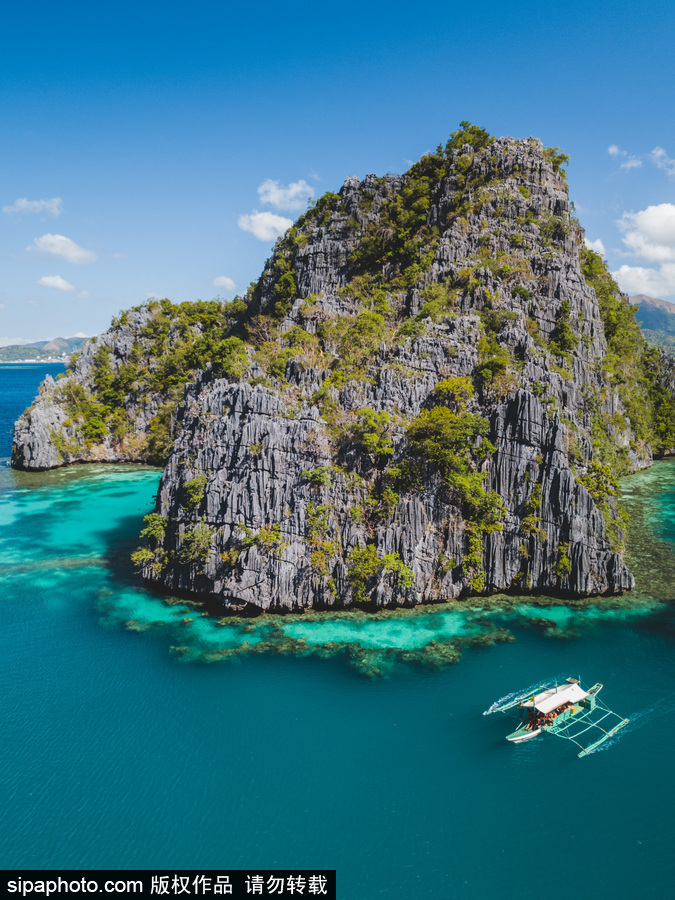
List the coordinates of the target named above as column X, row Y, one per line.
column 522, row 734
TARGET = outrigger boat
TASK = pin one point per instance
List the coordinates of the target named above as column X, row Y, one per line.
column 564, row 710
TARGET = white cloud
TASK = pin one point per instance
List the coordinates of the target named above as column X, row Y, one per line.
column 630, row 162
column 224, row 281
column 650, row 233
column 658, row 157
column 53, row 207
column 80, row 334
column 84, row 294
column 266, row 226
column 641, row 280
column 292, row 196
column 14, row 342
column 598, row 246
column 58, row 245
column 661, row 159
column 649, row 236
column 55, row 281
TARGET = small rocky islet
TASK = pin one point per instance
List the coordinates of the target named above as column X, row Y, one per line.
column 428, row 394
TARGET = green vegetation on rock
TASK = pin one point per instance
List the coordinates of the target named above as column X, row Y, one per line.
column 634, row 369
column 176, row 341
column 152, row 555
column 193, row 491
column 196, row 543
column 455, row 443
column 365, row 567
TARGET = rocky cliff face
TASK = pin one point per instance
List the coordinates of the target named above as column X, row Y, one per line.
column 423, row 408
column 61, row 428
column 117, row 401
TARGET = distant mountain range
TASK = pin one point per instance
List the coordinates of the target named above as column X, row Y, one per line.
column 657, row 320
column 42, row 351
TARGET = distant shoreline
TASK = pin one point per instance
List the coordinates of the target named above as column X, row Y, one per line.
column 33, row 362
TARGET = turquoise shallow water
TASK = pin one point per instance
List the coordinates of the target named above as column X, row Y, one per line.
column 121, row 752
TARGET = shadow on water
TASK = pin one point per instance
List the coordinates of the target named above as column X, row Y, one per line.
column 116, row 549
column 661, row 622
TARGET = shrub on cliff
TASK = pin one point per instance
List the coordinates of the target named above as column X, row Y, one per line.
column 467, row 133
column 370, row 432
column 453, row 443
column 365, row 567
column 153, row 553
column 193, row 492
column 196, row 543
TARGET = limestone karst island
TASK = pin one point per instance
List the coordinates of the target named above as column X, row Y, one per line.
column 428, row 394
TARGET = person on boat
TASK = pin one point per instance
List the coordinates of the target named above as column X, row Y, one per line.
column 533, row 720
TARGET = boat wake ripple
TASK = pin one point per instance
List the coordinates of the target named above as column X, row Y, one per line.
column 639, row 719
column 644, row 717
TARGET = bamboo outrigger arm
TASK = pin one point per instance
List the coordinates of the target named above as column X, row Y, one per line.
column 564, row 710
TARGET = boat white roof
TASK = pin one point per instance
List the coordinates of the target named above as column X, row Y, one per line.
column 554, row 697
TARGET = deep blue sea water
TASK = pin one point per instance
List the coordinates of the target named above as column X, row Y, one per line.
column 119, row 752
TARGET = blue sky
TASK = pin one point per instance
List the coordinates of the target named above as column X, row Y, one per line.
column 141, row 140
